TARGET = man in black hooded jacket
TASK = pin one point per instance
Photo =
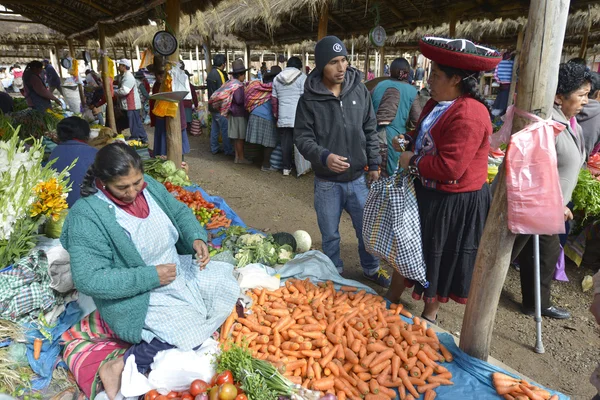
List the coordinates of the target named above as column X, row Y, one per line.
column 336, row 130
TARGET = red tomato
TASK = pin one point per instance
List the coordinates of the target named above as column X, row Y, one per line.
column 224, row 377
column 197, row 387
column 187, row 396
column 241, row 396
column 238, row 386
column 214, row 393
column 151, row 395
column 172, row 395
column 161, row 397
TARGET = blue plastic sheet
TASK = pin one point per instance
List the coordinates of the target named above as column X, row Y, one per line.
column 50, row 355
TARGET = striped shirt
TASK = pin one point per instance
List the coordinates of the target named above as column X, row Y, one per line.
column 503, row 73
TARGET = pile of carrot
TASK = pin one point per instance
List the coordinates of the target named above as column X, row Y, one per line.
column 218, row 221
column 341, row 342
column 518, row 389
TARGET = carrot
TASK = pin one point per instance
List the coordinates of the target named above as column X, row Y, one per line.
column 37, row 348
column 312, row 335
column 363, row 387
column 445, row 375
column 335, row 369
column 508, row 397
column 310, row 372
column 290, row 346
column 410, row 363
column 441, row 381
column 377, row 368
column 395, row 366
column 390, row 392
column 329, row 356
column 255, row 327
column 305, row 346
column 408, row 336
column 348, row 289
column 333, row 338
column 383, row 356
column 366, row 361
column 341, row 395
column 413, row 350
column 389, row 341
column 380, row 333
column 278, row 312
column 530, row 393
column 226, row 328
column 373, row 386
column 316, row 327
column 379, row 396
column 317, row 368
column 415, row 371
column 502, row 390
column 554, row 397
column 350, row 356
column 294, row 365
column 340, row 354
column 409, row 386
column 377, row 347
column 429, row 395
column 446, row 353
column 295, row 379
column 311, row 353
column 356, row 345
column 430, row 386
column 422, row 356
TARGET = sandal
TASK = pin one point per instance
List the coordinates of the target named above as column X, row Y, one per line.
column 433, row 322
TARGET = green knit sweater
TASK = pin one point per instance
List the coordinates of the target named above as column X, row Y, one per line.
column 106, row 265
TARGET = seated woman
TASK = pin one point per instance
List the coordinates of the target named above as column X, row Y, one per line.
column 448, row 157
column 35, row 91
column 73, row 133
column 125, row 237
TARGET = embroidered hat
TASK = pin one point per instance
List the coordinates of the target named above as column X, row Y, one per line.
column 459, row 53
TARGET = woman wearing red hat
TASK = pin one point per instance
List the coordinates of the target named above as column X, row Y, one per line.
column 448, row 157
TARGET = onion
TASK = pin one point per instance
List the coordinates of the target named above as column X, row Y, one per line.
column 329, row 396
column 201, row 396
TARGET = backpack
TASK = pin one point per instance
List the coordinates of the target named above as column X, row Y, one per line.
column 220, row 101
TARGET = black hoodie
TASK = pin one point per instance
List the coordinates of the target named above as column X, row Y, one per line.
column 344, row 125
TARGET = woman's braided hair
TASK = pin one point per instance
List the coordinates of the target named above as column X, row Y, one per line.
column 468, row 84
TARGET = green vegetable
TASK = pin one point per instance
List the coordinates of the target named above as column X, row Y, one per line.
column 586, row 196
column 285, row 238
column 260, row 380
column 303, row 241
column 285, row 254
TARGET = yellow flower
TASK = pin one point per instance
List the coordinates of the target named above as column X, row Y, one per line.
column 49, row 199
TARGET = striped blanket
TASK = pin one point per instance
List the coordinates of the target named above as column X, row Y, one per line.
column 257, row 94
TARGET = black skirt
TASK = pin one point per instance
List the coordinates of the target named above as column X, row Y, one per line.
column 451, row 228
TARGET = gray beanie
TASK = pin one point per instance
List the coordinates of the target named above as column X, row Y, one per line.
column 327, row 49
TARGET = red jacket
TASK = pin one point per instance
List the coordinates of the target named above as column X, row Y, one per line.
column 458, row 161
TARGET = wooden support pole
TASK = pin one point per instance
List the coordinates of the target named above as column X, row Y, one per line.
column 207, row 55
column 77, row 77
column 323, row 18
column 200, row 75
column 174, row 124
column 452, row 32
column 110, row 110
column 586, row 34
column 538, row 79
column 138, row 56
column 513, row 79
column 367, row 64
column 57, row 51
column 227, row 55
column 352, row 52
column 247, row 60
column 289, row 52
column 381, row 60
column 306, row 64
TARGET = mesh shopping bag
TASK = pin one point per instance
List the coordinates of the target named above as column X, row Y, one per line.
column 392, row 227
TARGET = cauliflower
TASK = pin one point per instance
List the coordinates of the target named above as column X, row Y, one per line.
column 285, row 254
column 250, row 240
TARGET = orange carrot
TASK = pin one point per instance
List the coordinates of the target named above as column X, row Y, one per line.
column 363, row 387
column 350, row 356
column 254, row 326
column 377, row 347
column 390, row 392
column 395, row 366
column 323, row 383
column 446, row 353
column 530, row 393
column 373, row 386
column 377, row 368
column 429, row 386
column 379, row 396
column 348, row 289
column 366, row 361
column 226, row 328
column 329, row 356
column 37, row 348
column 409, row 386
column 383, row 356
column 429, row 395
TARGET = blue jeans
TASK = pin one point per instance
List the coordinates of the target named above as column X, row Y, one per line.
column 219, row 124
column 331, row 199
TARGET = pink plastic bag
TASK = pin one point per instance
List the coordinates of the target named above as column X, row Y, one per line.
column 535, row 202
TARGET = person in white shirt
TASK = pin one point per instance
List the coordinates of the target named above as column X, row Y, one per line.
column 129, row 101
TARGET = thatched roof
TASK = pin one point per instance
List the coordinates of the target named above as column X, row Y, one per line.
column 72, row 17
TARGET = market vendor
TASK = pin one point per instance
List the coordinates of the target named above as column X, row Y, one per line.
column 125, row 237
column 448, row 157
column 571, row 96
column 73, row 133
column 35, row 91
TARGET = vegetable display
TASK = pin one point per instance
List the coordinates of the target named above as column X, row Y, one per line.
column 165, row 171
column 586, row 196
column 517, row 389
column 221, row 387
column 344, row 343
column 206, row 213
column 248, row 248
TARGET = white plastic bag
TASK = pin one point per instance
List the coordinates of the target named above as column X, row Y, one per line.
column 303, row 166
column 257, row 276
column 172, row 370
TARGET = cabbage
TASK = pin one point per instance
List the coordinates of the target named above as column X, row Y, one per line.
column 167, row 168
column 303, row 241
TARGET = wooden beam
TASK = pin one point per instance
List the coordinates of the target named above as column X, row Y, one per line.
column 323, row 18
column 538, row 79
column 452, row 31
column 110, row 110
column 77, row 77
column 18, row 21
column 335, row 21
column 207, row 55
column 174, row 148
column 513, row 79
column 381, row 60
column 97, row 7
column 57, row 52
column 586, row 34
column 392, row 7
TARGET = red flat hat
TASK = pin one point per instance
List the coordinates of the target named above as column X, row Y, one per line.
column 459, row 53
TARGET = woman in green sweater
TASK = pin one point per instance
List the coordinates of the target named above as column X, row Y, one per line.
column 130, row 243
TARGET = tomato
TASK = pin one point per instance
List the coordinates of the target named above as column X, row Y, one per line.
column 172, row 395
column 198, row 386
column 187, row 396
column 151, row 395
column 238, row 386
column 241, row 397
column 214, row 393
column 210, row 206
column 224, row 377
column 160, row 397
column 227, row 391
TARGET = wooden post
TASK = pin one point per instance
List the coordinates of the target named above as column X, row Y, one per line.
column 323, row 18
column 289, row 52
column 137, row 53
column 538, row 79
column 207, row 55
column 174, row 124
column 110, row 111
column 586, row 34
column 381, row 60
column 77, row 77
column 367, row 63
column 247, row 60
column 306, row 65
column 200, row 74
column 352, row 52
column 57, row 51
column 513, row 79
column 452, row 32
column 228, row 65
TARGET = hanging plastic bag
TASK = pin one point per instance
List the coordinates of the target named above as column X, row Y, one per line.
column 392, row 227
column 535, row 202
column 303, row 166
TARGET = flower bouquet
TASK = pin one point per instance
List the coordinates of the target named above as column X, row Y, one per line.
column 29, row 194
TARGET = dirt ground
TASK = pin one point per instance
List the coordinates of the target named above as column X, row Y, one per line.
column 273, row 203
